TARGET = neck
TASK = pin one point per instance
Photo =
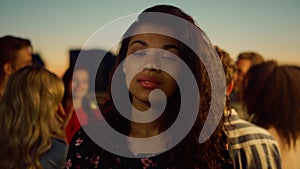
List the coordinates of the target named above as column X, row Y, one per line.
column 156, row 125
column 77, row 102
column 144, row 130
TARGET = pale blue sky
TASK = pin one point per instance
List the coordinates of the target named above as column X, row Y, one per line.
column 270, row 27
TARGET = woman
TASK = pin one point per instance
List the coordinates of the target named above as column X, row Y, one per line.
column 75, row 100
column 272, row 94
column 151, row 63
column 32, row 134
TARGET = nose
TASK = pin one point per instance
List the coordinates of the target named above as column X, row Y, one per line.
column 151, row 67
column 152, row 62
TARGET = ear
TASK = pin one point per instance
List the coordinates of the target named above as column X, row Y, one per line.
column 229, row 88
column 7, row 68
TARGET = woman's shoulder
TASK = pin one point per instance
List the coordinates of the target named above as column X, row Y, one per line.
column 58, row 142
column 59, row 146
column 55, row 157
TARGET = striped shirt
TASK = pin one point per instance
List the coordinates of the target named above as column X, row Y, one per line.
column 251, row 146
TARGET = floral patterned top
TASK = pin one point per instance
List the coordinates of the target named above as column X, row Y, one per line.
column 84, row 154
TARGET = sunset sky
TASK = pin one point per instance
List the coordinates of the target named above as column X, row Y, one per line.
column 270, row 27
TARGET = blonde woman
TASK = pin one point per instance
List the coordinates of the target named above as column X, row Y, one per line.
column 32, row 135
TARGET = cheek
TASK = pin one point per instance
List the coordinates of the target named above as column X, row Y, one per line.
column 169, row 85
column 85, row 86
column 73, row 86
column 173, row 68
column 132, row 83
column 131, row 71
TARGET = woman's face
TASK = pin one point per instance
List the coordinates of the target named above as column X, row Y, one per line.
column 147, row 57
column 80, row 83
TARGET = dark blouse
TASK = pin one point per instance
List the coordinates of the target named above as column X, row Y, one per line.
column 84, row 153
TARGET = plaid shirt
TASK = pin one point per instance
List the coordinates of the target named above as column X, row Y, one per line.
column 251, row 146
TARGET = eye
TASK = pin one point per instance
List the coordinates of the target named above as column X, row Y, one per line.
column 168, row 56
column 139, row 53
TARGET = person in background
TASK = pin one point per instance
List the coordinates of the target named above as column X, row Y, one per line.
column 31, row 132
column 78, row 107
column 15, row 53
column 251, row 146
column 272, row 94
column 244, row 62
column 146, row 57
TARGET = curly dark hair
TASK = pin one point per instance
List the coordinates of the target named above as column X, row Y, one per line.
column 230, row 70
column 189, row 152
column 272, row 94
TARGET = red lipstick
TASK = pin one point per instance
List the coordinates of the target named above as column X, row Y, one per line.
column 149, row 82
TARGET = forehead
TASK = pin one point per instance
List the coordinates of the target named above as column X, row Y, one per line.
column 155, row 29
column 152, row 40
column 81, row 72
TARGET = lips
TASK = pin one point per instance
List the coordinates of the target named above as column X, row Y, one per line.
column 149, row 82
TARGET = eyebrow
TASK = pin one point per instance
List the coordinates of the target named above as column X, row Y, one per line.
column 145, row 44
column 171, row 47
column 139, row 42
